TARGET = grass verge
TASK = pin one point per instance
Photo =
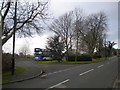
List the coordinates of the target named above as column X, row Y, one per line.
column 72, row 62
column 6, row 77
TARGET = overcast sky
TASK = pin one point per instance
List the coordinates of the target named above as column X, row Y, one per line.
column 58, row 8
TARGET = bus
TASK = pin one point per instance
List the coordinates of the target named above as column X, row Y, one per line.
column 42, row 54
column 37, row 54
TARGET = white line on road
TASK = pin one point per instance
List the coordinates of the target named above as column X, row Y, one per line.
column 44, row 75
column 59, row 71
column 58, row 84
column 108, row 63
column 86, row 72
column 66, row 69
column 49, row 73
column 54, row 72
column 100, row 66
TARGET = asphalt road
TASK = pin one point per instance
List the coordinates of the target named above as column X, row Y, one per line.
column 95, row 75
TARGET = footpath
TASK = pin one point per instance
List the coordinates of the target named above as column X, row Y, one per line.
column 30, row 73
column 116, row 85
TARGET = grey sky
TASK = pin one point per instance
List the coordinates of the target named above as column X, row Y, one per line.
column 110, row 9
column 57, row 8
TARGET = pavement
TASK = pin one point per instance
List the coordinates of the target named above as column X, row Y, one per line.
column 30, row 72
column 116, row 84
column 34, row 70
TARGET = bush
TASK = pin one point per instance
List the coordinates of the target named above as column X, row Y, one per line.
column 82, row 57
column 96, row 56
column 56, row 59
column 6, row 62
column 71, row 57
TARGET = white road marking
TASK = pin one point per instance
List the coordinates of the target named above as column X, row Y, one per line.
column 108, row 63
column 61, row 86
column 86, row 71
column 100, row 66
column 44, row 75
column 59, row 71
column 49, row 73
column 58, row 84
column 55, row 72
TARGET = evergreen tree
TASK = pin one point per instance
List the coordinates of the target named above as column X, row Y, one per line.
column 56, row 47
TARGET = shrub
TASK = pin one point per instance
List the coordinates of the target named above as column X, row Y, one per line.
column 96, row 56
column 56, row 58
column 6, row 62
column 71, row 57
column 82, row 57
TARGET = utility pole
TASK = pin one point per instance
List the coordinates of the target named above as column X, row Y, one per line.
column 13, row 57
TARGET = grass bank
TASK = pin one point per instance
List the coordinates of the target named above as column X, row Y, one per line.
column 6, row 77
column 72, row 62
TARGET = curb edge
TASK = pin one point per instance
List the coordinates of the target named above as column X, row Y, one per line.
column 25, row 78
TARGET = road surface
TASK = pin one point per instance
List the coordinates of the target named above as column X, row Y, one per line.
column 95, row 75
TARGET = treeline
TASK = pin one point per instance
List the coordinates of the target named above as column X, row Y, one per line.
column 76, row 33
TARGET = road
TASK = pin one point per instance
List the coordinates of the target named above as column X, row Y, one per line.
column 95, row 75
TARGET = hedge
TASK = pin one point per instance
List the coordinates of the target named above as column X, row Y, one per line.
column 97, row 56
column 6, row 62
column 82, row 57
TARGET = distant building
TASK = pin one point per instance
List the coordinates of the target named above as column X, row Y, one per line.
column 117, row 51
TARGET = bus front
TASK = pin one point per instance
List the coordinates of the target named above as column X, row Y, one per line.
column 37, row 54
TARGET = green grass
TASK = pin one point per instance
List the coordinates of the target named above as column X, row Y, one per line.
column 99, row 59
column 7, row 76
column 72, row 62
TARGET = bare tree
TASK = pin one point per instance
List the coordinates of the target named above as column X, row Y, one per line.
column 85, row 31
column 100, row 46
column 78, row 26
column 24, row 49
column 63, row 27
column 30, row 17
column 94, row 28
column 110, row 47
